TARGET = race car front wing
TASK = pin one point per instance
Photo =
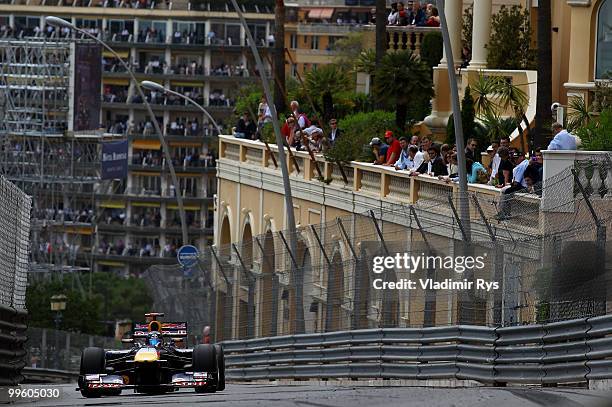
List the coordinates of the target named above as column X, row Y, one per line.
column 180, row 380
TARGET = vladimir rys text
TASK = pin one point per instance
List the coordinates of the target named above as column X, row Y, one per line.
column 409, row 263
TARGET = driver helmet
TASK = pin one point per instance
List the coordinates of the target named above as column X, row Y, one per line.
column 154, row 339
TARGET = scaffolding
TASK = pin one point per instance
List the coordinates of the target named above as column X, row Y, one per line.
column 58, row 169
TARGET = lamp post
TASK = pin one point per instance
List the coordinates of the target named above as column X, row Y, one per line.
column 464, row 203
column 58, row 304
column 58, row 22
column 297, row 272
column 159, row 88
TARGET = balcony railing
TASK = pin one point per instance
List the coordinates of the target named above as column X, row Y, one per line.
column 375, row 181
column 320, row 28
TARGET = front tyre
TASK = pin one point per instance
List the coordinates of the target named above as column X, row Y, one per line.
column 220, row 368
column 93, row 361
column 204, row 359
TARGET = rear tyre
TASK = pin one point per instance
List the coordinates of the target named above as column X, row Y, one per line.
column 220, row 368
column 93, row 361
column 204, row 359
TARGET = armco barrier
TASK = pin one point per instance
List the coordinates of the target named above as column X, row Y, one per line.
column 12, row 345
column 561, row 352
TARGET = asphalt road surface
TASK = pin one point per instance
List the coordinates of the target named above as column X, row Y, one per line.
column 272, row 395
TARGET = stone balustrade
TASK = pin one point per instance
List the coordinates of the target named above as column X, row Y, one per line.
column 378, row 182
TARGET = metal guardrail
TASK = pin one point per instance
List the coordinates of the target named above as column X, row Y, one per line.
column 12, row 341
column 562, row 352
column 36, row 375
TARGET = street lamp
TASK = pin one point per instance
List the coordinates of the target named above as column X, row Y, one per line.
column 61, row 23
column 58, row 304
column 159, row 88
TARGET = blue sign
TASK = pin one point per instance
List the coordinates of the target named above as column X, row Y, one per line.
column 114, row 159
column 187, row 256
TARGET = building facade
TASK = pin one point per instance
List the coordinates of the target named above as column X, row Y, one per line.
column 195, row 48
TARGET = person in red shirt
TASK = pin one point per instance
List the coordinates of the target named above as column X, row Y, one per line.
column 395, row 148
column 288, row 131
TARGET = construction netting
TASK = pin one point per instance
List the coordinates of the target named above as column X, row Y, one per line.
column 14, row 244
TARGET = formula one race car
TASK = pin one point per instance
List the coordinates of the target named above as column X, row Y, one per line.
column 152, row 364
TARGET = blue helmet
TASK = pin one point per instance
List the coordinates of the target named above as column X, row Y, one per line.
column 154, row 339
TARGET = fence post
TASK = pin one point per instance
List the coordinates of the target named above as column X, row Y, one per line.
column 67, row 355
column 273, row 276
column 43, row 350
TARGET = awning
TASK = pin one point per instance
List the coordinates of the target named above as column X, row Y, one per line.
column 187, row 207
column 111, row 263
column 147, row 204
column 85, row 230
column 146, row 174
column 185, row 144
column 115, row 81
column 315, row 13
column 122, row 54
column 112, row 204
column 187, row 84
column 146, row 144
column 326, row 13
column 187, row 174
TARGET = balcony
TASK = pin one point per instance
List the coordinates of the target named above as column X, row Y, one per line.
column 367, row 186
column 222, row 109
column 145, row 260
column 326, row 29
column 199, row 169
column 152, row 229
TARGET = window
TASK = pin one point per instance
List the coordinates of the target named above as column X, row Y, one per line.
column 152, row 31
column 293, row 41
column 315, row 42
column 604, row 40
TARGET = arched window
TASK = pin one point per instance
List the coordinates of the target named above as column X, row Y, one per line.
column 604, row 40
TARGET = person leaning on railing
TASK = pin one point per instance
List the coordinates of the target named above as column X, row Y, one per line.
column 435, row 165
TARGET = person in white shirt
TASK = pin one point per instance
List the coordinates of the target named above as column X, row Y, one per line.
column 562, row 140
column 495, row 160
column 393, row 15
column 295, row 108
column 412, row 160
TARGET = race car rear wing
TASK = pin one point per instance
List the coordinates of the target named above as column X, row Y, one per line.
column 169, row 329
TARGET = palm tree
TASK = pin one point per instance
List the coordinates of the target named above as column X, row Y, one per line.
column 543, row 115
column 323, row 84
column 381, row 30
column 366, row 62
column 402, row 77
column 279, row 56
column 579, row 113
column 381, row 35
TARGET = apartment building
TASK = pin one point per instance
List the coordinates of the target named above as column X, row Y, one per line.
column 195, row 48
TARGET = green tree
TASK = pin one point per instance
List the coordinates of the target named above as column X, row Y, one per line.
column 279, row 56
column 543, row 116
column 366, row 62
column 323, row 85
column 468, row 118
column 578, row 113
column 81, row 314
column 431, row 49
column 510, row 41
column 595, row 135
column 248, row 101
column 404, row 81
column 347, row 50
column 113, row 298
column 357, row 131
